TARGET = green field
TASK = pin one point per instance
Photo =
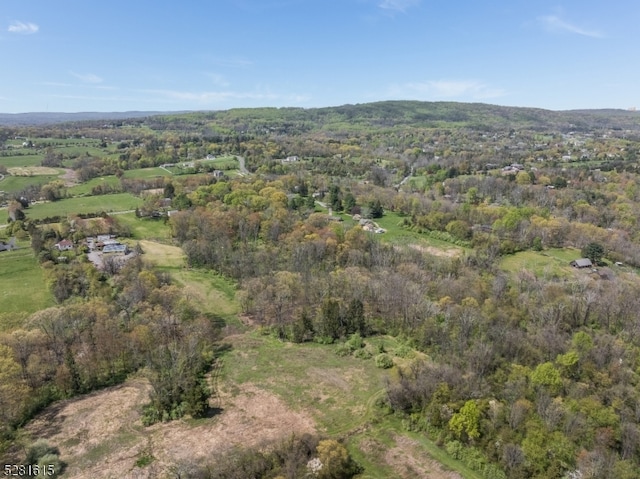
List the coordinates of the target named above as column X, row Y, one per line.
column 31, row 159
column 146, row 173
column 81, row 205
column 86, row 187
column 13, row 184
column 22, row 287
column 553, row 262
column 146, row 228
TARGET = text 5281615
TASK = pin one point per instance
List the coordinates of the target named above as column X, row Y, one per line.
column 28, row 470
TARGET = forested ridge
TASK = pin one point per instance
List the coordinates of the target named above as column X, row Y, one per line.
column 449, row 227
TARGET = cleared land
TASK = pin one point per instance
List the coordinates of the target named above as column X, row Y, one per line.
column 269, row 391
column 101, row 436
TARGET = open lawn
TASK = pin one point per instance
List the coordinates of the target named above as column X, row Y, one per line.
column 162, row 255
column 146, row 173
column 146, row 228
column 224, row 162
column 551, row 263
column 86, row 187
column 81, row 205
column 22, row 287
column 29, row 159
column 13, row 184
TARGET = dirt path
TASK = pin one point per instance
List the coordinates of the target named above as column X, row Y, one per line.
column 70, row 177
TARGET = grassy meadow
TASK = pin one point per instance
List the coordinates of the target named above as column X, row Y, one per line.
column 79, row 205
column 22, row 287
column 551, row 263
column 341, row 393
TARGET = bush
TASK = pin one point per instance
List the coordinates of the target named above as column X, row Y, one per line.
column 403, row 351
column 39, row 449
column 363, row 354
column 343, row 349
column 355, row 342
column 50, row 465
column 383, row 361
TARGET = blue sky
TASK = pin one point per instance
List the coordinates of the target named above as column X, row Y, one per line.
column 72, row 55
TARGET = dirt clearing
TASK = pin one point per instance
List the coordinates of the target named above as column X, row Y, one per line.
column 409, row 461
column 100, row 435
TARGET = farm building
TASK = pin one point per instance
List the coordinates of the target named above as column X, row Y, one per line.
column 115, row 249
column 582, row 263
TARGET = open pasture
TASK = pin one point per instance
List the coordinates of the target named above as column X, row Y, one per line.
column 80, row 205
column 22, row 160
column 23, row 289
column 551, row 263
column 14, row 184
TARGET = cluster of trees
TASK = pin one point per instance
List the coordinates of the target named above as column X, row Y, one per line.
column 294, row 457
column 534, row 377
column 139, row 321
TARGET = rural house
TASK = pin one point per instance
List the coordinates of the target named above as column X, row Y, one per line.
column 64, row 245
column 582, row 263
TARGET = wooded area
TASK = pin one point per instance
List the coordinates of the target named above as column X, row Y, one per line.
column 450, row 227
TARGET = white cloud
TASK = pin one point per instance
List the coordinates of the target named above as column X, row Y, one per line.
column 217, row 79
column 556, row 24
column 398, row 5
column 23, row 28
column 446, row 90
column 87, row 77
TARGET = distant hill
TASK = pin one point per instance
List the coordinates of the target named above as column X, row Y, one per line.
column 359, row 117
column 400, row 114
column 42, row 118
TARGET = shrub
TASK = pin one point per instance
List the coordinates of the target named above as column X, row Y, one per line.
column 363, row 354
column 50, row 465
column 39, row 449
column 355, row 342
column 383, row 361
column 403, row 351
column 343, row 349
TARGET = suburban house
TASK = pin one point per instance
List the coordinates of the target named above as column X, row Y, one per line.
column 64, row 245
column 582, row 263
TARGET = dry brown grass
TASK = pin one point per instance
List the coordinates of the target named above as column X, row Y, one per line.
column 408, row 460
column 446, row 253
column 100, row 435
column 162, row 254
column 32, row 171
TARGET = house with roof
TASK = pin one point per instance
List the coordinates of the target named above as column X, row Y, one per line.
column 64, row 245
column 115, row 249
column 582, row 263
